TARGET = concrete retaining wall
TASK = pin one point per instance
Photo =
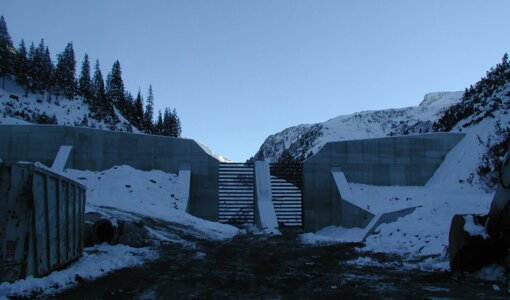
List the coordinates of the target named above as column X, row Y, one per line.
column 95, row 149
column 400, row 161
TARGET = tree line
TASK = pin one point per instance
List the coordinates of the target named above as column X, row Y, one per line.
column 35, row 71
column 481, row 101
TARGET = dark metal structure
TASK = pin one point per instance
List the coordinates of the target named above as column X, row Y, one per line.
column 41, row 221
column 236, row 204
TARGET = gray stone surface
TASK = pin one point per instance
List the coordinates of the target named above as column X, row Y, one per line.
column 400, row 161
column 95, row 149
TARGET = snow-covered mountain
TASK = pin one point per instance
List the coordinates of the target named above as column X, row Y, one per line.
column 304, row 140
column 481, row 111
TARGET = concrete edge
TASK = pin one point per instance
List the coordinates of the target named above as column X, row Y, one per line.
column 386, row 218
column 60, row 161
column 265, row 215
column 184, row 185
column 426, row 135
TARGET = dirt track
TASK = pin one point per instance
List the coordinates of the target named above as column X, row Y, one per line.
column 277, row 267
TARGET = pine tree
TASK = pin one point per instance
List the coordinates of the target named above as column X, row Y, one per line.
column 21, row 66
column 158, row 127
column 85, row 82
column 99, row 103
column 128, row 107
column 47, row 70
column 65, row 82
column 31, row 61
column 167, row 123
column 139, row 111
column 115, row 86
column 35, row 71
column 149, row 112
column 6, row 51
column 35, row 62
column 171, row 123
column 40, row 68
column 177, row 130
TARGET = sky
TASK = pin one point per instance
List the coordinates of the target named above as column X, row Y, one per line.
column 237, row 71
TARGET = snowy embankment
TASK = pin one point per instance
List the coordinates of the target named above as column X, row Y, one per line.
column 151, row 194
column 422, row 236
column 131, row 194
column 18, row 107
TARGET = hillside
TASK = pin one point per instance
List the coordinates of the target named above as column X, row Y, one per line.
column 304, row 140
column 482, row 113
column 31, row 75
column 17, row 107
column 37, row 108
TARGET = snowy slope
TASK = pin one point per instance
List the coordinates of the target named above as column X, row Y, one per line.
column 144, row 193
column 305, row 140
column 487, row 126
column 18, row 108
column 209, row 151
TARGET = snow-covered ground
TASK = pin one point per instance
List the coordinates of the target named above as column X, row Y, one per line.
column 31, row 106
column 129, row 194
column 145, row 193
column 97, row 261
column 423, row 233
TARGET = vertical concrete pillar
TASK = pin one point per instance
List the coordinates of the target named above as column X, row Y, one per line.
column 183, row 184
column 60, row 161
column 265, row 216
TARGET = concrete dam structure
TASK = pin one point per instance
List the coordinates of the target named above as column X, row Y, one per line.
column 389, row 161
column 97, row 150
column 404, row 160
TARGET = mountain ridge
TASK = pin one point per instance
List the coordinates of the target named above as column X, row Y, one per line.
column 481, row 112
column 304, row 140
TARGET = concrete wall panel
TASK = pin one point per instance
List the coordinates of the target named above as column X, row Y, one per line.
column 95, row 149
column 399, row 161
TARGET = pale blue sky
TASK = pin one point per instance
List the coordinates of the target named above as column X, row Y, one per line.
column 238, row 71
